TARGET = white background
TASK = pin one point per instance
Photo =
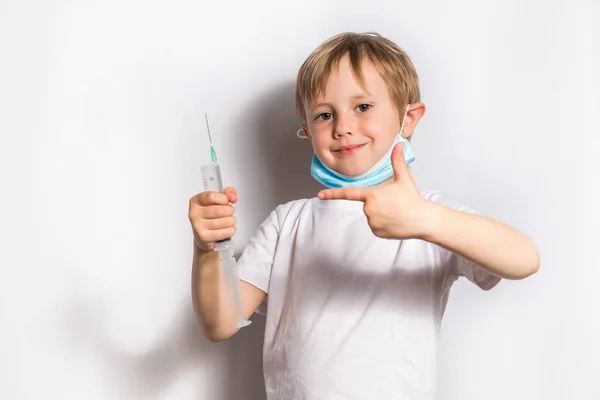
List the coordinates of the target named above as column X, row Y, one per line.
column 102, row 138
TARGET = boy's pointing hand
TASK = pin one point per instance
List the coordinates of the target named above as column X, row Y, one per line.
column 395, row 209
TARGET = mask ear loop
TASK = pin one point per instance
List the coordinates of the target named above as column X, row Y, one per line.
column 406, row 113
column 404, row 119
column 402, row 128
column 301, row 134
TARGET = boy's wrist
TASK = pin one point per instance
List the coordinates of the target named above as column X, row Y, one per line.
column 432, row 221
column 201, row 248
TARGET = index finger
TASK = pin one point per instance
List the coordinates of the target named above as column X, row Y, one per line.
column 213, row 198
column 357, row 194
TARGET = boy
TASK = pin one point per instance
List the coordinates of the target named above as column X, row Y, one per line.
column 358, row 277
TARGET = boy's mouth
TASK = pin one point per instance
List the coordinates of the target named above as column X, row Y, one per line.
column 349, row 150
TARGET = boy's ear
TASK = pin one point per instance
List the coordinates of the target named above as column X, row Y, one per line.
column 306, row 132
column 413, row 116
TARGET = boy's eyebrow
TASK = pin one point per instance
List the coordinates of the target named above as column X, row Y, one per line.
column 353, row 98
column 360, row 96
column 318, row 105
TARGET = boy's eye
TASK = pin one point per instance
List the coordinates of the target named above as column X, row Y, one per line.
column 324, row 116
column 364, row 107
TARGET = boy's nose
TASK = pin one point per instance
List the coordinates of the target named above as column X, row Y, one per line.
column 338, row 134
column 343, row 127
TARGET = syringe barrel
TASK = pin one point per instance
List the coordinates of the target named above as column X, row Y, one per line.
column 211, row 178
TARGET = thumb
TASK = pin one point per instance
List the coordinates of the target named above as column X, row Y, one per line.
column 399, row 166
column 231, row 194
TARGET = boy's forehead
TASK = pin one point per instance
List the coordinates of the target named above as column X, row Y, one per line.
column 356, row 84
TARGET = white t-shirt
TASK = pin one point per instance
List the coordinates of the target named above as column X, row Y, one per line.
column 349, row 315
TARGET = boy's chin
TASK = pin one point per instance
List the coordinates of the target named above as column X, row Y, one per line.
column 356, row 168
column 353, row 172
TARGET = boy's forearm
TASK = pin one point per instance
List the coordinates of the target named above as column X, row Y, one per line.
column 494, row 246
column 212, row 303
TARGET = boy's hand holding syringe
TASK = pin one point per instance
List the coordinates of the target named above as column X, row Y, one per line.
column 221, row 301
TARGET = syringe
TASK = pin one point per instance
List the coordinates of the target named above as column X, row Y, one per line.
column 212, row 181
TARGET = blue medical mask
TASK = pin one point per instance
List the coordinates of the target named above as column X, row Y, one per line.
column 377, row 174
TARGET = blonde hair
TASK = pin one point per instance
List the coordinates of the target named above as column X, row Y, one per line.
column 392, row 63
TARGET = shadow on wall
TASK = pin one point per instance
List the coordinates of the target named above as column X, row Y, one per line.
column 150, row 374
column 286, row 156
column 276, row 162
column 273, row 152
column 269, row 147
column 244, row 370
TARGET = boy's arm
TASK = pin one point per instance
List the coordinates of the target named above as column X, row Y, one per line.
column 492, row 245
column 213, row 303
column 397, row 210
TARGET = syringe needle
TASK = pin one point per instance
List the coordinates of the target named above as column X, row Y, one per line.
column 208, row 128
column 213, row 153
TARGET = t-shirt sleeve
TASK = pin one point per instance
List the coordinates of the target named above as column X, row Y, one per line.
column 457, row 266
column 454, row 265
column 256, row 261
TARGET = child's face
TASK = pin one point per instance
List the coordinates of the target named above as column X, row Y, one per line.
column 351, row 127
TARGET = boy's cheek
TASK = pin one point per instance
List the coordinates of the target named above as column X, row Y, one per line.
column 324, row 156
column 320, row 145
